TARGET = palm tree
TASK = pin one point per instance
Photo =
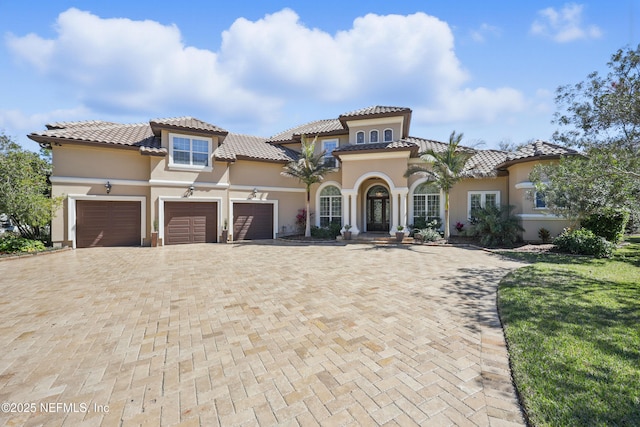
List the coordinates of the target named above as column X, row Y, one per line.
column 446, row 168
column 309, row 169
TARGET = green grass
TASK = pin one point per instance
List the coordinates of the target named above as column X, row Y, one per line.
column 572, row 325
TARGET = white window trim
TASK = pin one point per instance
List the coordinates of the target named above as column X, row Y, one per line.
column 370, row 132
column 320, row 188
column 412, row 192
column 535, row 202
column 182, row 167
column 483, row 198
column 337, row 142
column 383, row 133
column 363, row 137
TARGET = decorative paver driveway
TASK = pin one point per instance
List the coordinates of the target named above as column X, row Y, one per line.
column 250, row 334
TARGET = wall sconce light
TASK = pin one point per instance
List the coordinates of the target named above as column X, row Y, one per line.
column 254, row 193
column 108, row 187
column 190, row 190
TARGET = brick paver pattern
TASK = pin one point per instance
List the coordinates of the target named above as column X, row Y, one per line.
column 255, row 334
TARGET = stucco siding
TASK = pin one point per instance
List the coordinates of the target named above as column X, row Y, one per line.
column 72, row 160
column 393, row 168
column 459, row 197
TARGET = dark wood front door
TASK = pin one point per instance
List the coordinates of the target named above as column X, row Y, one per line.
column 378, row 209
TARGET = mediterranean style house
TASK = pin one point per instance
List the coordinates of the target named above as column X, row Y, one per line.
column 190, row 180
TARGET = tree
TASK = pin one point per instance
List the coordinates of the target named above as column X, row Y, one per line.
column 308, row 169
column 446, row 168
column 601, row 116
column 24, row 189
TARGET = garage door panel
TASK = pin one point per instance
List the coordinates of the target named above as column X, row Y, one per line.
column 252, row 221
column 190, row 222
column 107, row 223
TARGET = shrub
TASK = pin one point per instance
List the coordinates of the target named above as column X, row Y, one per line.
column 420, row 223
column 583, row 242
column 544, row 235
column 633, row 226
column 301, row 220
column 609, row 224
column 329, row 232
column 495, row 226
column 428, row 234
column 11, row 243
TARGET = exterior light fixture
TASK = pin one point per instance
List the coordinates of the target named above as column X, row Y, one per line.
column 254, row 193
column 108, row 187
column 190, row 190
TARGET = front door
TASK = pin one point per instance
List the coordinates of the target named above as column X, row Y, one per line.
column 378, row 209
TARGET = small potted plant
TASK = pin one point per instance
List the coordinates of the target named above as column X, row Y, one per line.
column 459, row 227
column 154, row 234
column 225, row 232
column 346, row 234
column 399, row 233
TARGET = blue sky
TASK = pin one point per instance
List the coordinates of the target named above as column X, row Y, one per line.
column 488, row 69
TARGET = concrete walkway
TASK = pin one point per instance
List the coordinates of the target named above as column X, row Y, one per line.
column 255, row 334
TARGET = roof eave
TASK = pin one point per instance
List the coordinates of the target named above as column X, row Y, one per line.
column 509, row 163
column 157, row 127
column 47, row 141
column 337, row 153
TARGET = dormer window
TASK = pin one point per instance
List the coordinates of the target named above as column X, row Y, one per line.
column 388, row 135
column 189, row 152
column 360, row 137
column 373, row 136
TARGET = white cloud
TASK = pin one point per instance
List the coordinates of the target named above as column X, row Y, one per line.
column 262, row 67
column 485, row 30
column 480, row 104
column 565, row 25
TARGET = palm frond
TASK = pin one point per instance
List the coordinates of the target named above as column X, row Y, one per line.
column 309, row 168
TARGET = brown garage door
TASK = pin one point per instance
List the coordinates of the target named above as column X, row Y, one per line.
column 107, row 223
column 190, row 222
column 252, row 221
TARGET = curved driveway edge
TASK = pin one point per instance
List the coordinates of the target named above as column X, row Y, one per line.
column 251, row 334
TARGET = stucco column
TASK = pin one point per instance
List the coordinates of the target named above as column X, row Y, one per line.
column 398, row 209
column 350, row 210
column 395, row 213
column 403, row 208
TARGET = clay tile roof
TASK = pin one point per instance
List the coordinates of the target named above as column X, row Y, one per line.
column 375, row 110
column 236, row 146
column 540, row 148
column 377, row 146
column 133, row 135
column 535, row 150
column 484, row 163
column 317, row 127
column 185, row 123
column 426, row 144
column 86, row 123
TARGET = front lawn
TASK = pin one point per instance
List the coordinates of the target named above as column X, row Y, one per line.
column 572, row 326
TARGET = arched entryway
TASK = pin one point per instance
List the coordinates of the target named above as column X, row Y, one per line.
column 378, row 208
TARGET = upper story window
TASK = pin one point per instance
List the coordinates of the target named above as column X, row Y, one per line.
column 360, row 137
column 373, row 136
column 328, row 146
column 388, row 135
column 189, row 152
